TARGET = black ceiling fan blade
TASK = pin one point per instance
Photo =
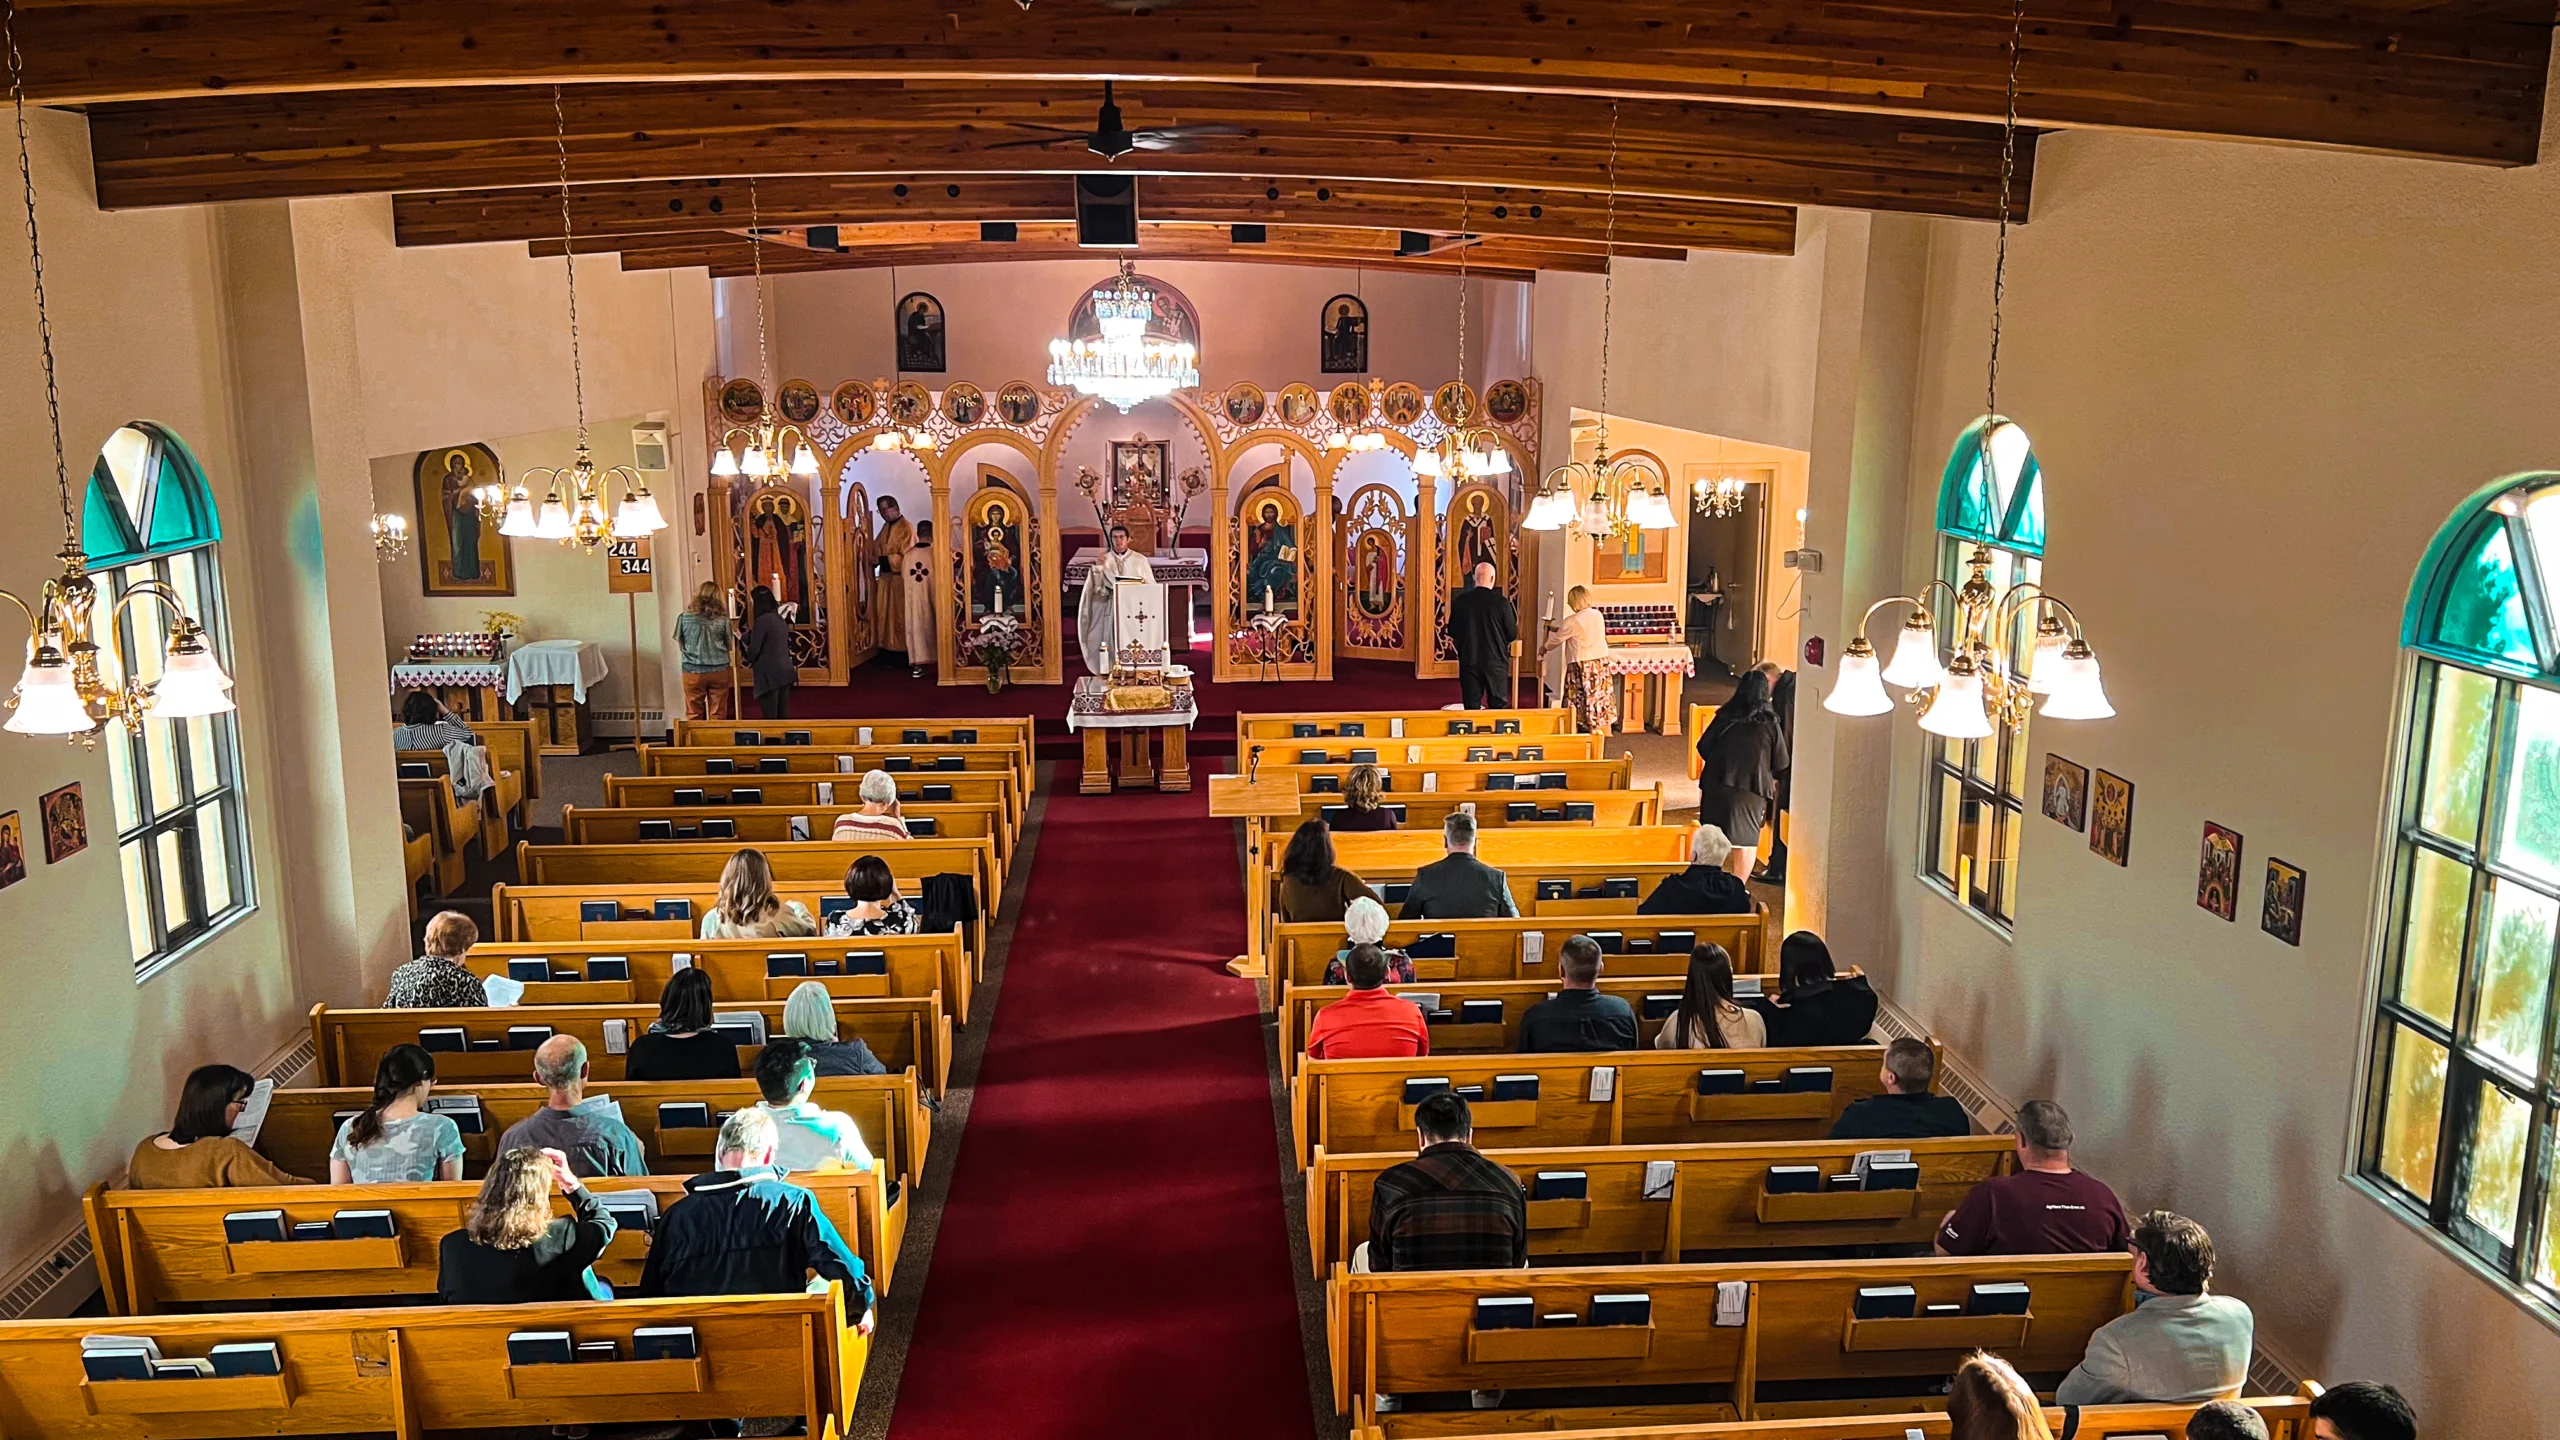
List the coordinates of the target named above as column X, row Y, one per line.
column 1169, row 137
column 1045, row 143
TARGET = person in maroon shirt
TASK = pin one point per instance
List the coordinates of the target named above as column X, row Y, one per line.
column 2046, row 1208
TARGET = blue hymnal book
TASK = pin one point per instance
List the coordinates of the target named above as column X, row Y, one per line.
column 609, row 967
column 746, row 737
column 1364, row 757
column 1808, row 1077
column 1506, row 1312
column 247, row 1357
column 663, row 1342
column 362, row 1225
column 1443, row 946
column 1506, row 727
column 1513, row 1087
column 242, row 1227
column 1721, row 1082
column 964, row 737
column 1356, row 728
column 719, row 829
column 1419, row 1088
column 541, row 1347
column 1396, row 890
column 657, row 829
column 1581, row 810
column 416, row 770
column 1477, row 754
column 941, row 792
column 1611, row 942
column 1462, row 727
column 1302, row 730
column 1794, row 1179
column 631, row 1209
column 773, row 764
column 1671, row 942
column 684, row 1115
column 1481, row 1012
column 1501, row 782
column 1561, row 1185
column 913, row 737
column 1885, row 1302
column 531, row 969
column 1534, row 752
column 444, row 1040
column 1555, row 889
column 688, row 796
column 134, row 1364
column 1517, row 810
column 777, row 966
column 951, row 762
column 1548, row 779
column 1997, row 1297
column 923, row 827
column 898, row 762
column 592, row 911
column 795, row 737
column 1892, row 1175
column 1324, row 784
column 311, row 1230
column 1661, row 1007
column 744, row 795
column 1621, row 887
column 1310, row 757
column 719, row 765
column 866, row 962
column 671, row 909
column 1622, row 1309
column 527, row 1037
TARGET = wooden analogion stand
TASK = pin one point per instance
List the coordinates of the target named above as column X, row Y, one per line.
column 1139, row 765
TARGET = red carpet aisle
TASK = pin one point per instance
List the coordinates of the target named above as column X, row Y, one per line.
column 1113, row 1258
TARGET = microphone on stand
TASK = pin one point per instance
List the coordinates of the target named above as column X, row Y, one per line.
column 1253, row 764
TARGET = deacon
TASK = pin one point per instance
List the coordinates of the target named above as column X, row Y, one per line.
column 1483, row 626
column 1094, row 625
column 896, row 538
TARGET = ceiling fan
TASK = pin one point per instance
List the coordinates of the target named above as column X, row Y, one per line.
column 1111, row 137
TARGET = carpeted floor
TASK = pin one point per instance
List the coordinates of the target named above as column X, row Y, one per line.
column 1113, row 1252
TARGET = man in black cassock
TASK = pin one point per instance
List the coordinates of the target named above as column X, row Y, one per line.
column 1482, row 627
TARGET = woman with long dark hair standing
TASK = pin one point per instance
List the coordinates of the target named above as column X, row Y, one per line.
column 767, row 651
column 397, row 1138
column 1740, row 757
column 1708, row 1019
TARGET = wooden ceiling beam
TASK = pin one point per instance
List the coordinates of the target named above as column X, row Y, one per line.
column 655, row 207
column 725, row 262
column 208, row 150
column 2453, row 78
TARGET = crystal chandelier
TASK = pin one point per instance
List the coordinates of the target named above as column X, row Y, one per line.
column 390, row 537
column 575, row 495
column 1720, row 496
column 1466, row 450
column 1601, row 496
column 64, row 690
column 1124, row 364
column 1360, row 442
column 756, row 451
column 1972, row 692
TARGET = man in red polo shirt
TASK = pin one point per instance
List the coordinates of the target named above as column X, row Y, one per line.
column 2046, row 1208
column 1368, row 1022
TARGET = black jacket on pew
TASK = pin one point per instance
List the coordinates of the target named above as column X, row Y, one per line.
column 553, row 1267
column 1902, row 1117
column 749, row 1232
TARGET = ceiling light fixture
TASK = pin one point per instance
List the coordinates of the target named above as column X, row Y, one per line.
column 62, row 690
column 390, row 537
column 1973, row 691
column 1601, row 496
column 1719, row 496
column 1125, row 364
column 1466, row 450
column 757, row 451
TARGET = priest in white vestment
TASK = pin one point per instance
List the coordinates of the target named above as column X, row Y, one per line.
column 1095, row 626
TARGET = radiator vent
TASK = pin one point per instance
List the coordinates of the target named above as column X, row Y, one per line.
column 289, row 1066
column 54, row 1285
column 2273, row 1375
column 622, row 714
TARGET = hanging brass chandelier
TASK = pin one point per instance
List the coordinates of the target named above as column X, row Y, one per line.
column 1976, row 690
column 575, row 495
column 390, row 536
column 71, row 686
column 758, row 451
column 1601, row 495
column 1124, row 364
column 1466, row 450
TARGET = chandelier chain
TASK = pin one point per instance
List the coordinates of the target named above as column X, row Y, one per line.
column 1608, row 277
column 569, row 257
column 1466, row 217
column 35, row 258
column 755, row 241
column 2008, row 173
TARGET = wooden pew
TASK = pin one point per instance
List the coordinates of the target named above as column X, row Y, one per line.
column 918, row 965
column 1414, row 1332
column 512, row 745
column 552, row 912
column 903, row 1031
column 1299, row 1004
column 428, row 808
column 1436, row 750
column 968, row 787
column 505, row 803
column 1403, row 781
column 2287, row 1417
column 830, row 760
column 1499, row 949
column 1020, row 732
column 889, row 1109
column 1716, row 1200
column 1417, row 724
column 771, row 824
column 418, row 860
column 658, row 861
column 157, row 1248
column 1610, row 809
column 1356, row 1107
column 410, row 1370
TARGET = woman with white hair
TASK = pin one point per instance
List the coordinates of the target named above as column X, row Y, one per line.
column 809, row 1016
column 879, row 818
column 1707, row 887
column 1364, row 922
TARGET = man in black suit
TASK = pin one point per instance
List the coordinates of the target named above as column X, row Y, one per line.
column 1458, row 886
column 1483, row 626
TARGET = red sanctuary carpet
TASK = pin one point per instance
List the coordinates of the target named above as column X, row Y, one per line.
column 881, row 688
column 1113, row 1256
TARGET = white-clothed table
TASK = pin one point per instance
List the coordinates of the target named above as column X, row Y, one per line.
column 578, row 664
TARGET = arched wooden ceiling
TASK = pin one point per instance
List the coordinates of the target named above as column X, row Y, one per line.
column 1342, row 120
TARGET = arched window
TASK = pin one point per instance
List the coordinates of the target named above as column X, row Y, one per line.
column 180, row 834
column 2460, row 1090
column 1975, row 794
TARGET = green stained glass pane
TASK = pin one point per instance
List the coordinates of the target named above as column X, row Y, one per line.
column 2413, row 1112
column 2483, row 608
column 2457, row 754
column 2529, row 807
column 2515, row 974
column 181, row 511
column 2431, row 940
column 2494, row 1161
column 2027, row 533
column 105, row 534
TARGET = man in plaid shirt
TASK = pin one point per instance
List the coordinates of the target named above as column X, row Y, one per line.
column 1447, row 1208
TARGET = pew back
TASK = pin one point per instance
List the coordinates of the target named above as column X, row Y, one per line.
column 847, row 761
column 677, row 861
column 771, row 824
column 1405, row 780
column 918, row 965
column 1356, row 1107
column 1610, row 809
column 1015, row 731
column 1499, row 750
column 554, row 912
column 1457, row 1036
column 1380, row 725
column 2287, row 1417
column 1502, row 950
column 889, row 1109
column 975, row 787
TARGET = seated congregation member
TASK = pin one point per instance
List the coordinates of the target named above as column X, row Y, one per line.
column 1447, row 1208
column 877, row 907
column 2226, row 1420
column 2362, row 1410
column 1458, row 886
column 438, row 979
column 1369, row 1022
column 396, row 1138
column 1906, row 1110
column 747, row 908
column 1578, row 1018
column 1364, row 922
column 879, row 818
column 2180, row 1344
column 806, row 1135
column 597, row 1143
column 2045, row 1208
column 511, row 1250
column 1706, row 887
column 743, row 1230
column 199, row 1151
column 680, row 1044
column 1708, row 1018
column 809, row 1017
column 426, row 725
column 1989, row 1400
column 1816, row 1005
column 1311, row 886
column 1362, row 808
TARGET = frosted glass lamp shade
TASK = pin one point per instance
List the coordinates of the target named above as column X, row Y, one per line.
column 2077, row 693
column 1861, row 687
column 1915, row 656
column 639, row 514
column 552, row 522
column 2044, row 663
column 723, row 463
column 519, row 520
column 804, row 462
column 191, row 683
column 1956, row 711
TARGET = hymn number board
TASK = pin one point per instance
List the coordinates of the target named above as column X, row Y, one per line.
column 627, row 567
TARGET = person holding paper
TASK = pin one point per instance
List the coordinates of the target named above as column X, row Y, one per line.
column 511, row 1250
column 1096, row 630
column 438, row 979
column 201, row 1149
column 590, row 1133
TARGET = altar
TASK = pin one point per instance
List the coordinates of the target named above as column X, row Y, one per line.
column 1184, row 570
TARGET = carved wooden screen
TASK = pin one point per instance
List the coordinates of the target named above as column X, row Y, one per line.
column 1377, row 535
column 1272, row 593
column 1476, row 528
